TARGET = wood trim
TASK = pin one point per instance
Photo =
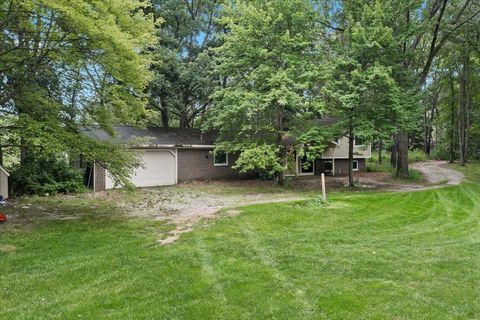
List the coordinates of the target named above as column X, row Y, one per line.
column 4, row 171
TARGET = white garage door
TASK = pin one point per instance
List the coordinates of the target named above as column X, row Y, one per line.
column 158, row 169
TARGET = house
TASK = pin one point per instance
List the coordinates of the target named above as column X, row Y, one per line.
column 171, row 156
column 334, row 159
column 4, row 182
column 175, row 155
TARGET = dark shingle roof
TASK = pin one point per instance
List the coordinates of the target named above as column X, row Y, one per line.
column 158, row 136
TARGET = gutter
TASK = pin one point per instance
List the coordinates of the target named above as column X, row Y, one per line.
column 179, row 146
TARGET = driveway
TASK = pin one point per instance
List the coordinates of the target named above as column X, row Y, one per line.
column 438, row 172
column 185, row 204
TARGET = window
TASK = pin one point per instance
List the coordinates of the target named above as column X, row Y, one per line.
column 220, row 159
column 306, row 167
column 358, row 142
column 355, row 165
column 328, row 166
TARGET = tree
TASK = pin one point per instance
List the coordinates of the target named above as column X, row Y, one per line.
column 459, row 70
column 68, row 64
column 182, row 81
column 268, row 60
column 424, row 30
column 364, row 92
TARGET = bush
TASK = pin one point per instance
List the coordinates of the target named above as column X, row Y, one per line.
column 417, row 156
column 45, row 176
column 413, row 156
column 373, row 166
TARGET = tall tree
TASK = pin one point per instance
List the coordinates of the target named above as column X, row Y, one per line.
column 68, row 64
column 365, row 94
column 268, row 58
column 182, row 81
column 425, row 28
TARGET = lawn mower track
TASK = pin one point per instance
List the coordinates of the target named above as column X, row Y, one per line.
column 189, row 211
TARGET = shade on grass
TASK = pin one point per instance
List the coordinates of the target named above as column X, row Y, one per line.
column 361, row 256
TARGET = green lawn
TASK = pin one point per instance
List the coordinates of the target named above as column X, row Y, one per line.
column 361, row 256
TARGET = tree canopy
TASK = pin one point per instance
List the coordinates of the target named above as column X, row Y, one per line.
column 264, row 75
column 268, row 58
column 66, row 65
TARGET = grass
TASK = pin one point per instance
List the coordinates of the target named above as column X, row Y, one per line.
column 415, row 176
column 359, row 256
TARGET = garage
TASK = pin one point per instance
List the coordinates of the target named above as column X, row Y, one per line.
column 158, row 169
column 3, row 183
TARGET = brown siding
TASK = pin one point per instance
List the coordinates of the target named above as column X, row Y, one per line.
column 197, row 164
column 99, row 178
column 341, row 166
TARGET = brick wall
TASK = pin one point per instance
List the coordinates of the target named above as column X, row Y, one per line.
column 197, row 164
column 99, row 178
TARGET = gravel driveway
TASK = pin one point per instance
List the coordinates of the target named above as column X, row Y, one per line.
column 437, row 172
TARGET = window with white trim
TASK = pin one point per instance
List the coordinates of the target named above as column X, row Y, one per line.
column 358, row 142
column 306, row 166
column 355, row 165
column 220, row 159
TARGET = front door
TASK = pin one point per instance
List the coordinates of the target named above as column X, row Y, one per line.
column 328, row 167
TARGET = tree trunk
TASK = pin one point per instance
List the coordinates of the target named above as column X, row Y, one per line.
column 380, row 149
column 283, row 161
column 283, row 149
column 351, row 138
column 452, row 123
column 165, row 117
column 393, row 155
column 401, row 142
column 23, row 152
column 463, row 111
column 185, row 121
column 425, row 131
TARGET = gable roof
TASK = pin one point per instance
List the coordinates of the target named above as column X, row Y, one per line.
column 2, row 169
column 159, row 137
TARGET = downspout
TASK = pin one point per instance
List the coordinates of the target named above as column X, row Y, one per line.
column 176, row 166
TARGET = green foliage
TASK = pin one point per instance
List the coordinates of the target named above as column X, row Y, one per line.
column 45, row 176
column 415, row 176
column 360, row 79
column 374, row 166
column 182, row 81
column 417, row 156
column 268, row 62
column 67, row 65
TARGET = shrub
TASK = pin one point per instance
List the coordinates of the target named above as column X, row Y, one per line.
column 417, row 156
column 45, row 176
column 373, row 166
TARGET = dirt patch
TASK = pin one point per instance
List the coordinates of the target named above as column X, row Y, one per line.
column 184, row 205
column 6, row 248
